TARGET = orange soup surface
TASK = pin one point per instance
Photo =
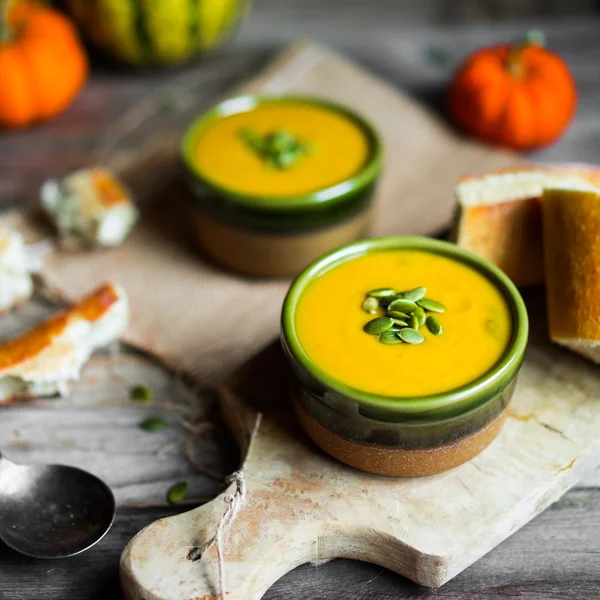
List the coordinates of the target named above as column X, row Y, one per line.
column 477, row 324
column 339, row 148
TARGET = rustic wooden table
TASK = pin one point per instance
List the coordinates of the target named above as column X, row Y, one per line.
column 555, row 556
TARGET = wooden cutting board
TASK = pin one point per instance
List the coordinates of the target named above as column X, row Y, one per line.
column 302, row 506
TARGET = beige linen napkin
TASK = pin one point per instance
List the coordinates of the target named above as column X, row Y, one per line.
column 206, row 322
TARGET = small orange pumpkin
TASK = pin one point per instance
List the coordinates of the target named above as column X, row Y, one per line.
column 42, row 63
column 520, row 96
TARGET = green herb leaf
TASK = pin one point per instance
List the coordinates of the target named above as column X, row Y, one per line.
column 152, row 424
column 178, row 492
column 141, row 393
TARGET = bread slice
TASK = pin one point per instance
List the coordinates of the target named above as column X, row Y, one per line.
column 16, row 284
column 499, row 215
column 41, row 361
column 90, row 208
column 571, row 226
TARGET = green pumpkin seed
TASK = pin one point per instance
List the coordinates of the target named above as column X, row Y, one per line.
column 415, row 294
column 419, row 313
column 413, row 322
column 141, row 393
column 402, row 305
column 389, row 337
column 178, row 492
column 411, row 336
column 431, row 305
column 152, row 424
column 396, row 314
column 434, row 325
column 370, row 305
column 381, row 293
column 401, row 322
column 387, row 300
column 378, row 325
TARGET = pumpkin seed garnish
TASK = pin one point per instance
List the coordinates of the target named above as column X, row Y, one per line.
column 381, row 293
column 401, row 322
column 415, row 294
column 396, row 314
column 178, row 492
column 434, row 325
column 387, row 300
column 431, row 305
column 370, row 305
column 413, row 322
column 141, row 393
column 378, row 325
column 419, row 313
column 411, row 336
column 402, row 305
column 279, row 148
column 152, row 424
column 390, row 337
column 405, row 313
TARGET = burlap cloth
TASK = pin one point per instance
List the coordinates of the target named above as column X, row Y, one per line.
column 204, row 321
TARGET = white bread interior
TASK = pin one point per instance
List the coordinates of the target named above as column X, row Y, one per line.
column 512, row 185
column 16, row 284
column 59, row 357
column 499, row 215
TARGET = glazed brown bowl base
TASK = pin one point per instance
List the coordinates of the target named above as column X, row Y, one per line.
column 396, row 461
column 263, row 254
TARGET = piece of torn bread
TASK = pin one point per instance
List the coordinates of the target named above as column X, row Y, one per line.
column 571, row 227
column 41, row 361
column 16, row 284
column 90, row 208
column 499, row 215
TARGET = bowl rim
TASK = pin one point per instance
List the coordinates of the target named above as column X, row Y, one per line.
column 489, row 382
column 328, row 196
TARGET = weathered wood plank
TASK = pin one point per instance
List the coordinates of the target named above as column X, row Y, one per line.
column 555, row 556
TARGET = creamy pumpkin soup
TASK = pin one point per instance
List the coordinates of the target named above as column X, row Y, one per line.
column 282, row 149
column 403, row 323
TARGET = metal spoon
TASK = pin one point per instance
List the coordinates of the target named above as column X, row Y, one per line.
column 52, row 511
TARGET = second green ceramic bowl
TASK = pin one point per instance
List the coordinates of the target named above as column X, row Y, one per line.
column 407, row 423
column 272, row 236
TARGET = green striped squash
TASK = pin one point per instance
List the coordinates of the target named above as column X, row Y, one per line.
column 157, row 32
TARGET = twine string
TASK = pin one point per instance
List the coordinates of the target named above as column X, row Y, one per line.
column 234, row 503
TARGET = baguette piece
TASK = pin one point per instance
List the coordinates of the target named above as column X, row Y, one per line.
column 499, row 215
column 41, row 361
column 16, row 284
column 90, row 208
column 571, row 225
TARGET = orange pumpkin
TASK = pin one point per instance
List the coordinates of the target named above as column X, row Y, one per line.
column 42, row 63
column 520, row 96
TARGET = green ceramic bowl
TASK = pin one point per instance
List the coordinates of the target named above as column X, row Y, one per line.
column 338, row 415
column 269, row 235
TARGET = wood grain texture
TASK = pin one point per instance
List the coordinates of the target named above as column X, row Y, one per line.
column 302, row 506
column 553, row 557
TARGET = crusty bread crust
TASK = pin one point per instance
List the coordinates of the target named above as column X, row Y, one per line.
column 26, row 346
column 499, row 214
column 571, row 227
